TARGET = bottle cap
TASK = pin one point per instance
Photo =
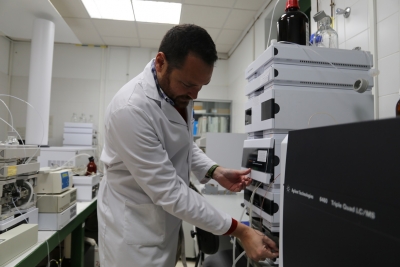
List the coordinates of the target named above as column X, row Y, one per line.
column 91, row 158
column 292, row 3
column 319, row 15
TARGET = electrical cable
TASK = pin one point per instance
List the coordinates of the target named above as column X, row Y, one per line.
column 238, row 258
column 270, row 26
column 12, row 120
column 28, row 160
column 240, row 219
column 78, row 155
column 30, row 196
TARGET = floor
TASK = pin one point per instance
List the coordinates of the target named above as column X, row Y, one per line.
column 190, row 263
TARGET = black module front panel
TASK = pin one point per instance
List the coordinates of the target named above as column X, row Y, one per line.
column 267, row 110
column 261, row 202
column 250, row 160
column 341, row 204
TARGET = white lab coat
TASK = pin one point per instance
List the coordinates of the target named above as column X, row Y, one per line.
column 144, row 195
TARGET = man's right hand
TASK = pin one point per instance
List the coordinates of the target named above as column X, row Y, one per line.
column 258, row 247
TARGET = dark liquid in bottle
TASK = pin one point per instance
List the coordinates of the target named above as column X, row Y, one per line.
column 398, row 109
column 293, row 27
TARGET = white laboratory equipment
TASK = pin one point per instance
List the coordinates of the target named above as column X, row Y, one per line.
column 16, row 241
column 56, row 202
column 18, row 180
column 293, row 87
column 67, row 156
column 87, row 187
column 79, row 134
column 54, row 181
column 57, row 198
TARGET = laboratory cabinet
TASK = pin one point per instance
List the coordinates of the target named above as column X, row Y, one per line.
column 212, row 116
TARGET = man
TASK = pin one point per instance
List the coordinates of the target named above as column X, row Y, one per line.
column 149, row 153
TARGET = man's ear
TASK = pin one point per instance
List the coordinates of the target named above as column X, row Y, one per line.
column 161, row 62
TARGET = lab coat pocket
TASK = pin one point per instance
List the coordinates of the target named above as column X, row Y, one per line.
column 144, row 224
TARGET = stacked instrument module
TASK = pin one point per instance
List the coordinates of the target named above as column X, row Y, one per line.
column 294, row 87
column 56, row 198
column 18, row 179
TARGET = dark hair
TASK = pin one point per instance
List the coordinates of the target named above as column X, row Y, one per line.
column 183, row 39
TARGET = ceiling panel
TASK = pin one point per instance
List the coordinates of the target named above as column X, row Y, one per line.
column 117, row 28
column 17, row 18
column 223, row 48
column 71, row 8
column 224, row 20
column 228, row 37
column 213, row 17
column 250, row 4
column 152, row 43
column 85, row 31
column 213, row 33
column 239, row 19
column 153, row 30
column 217, row 3
column 120, row 41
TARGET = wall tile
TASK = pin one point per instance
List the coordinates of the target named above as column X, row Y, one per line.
column 360, row 40
column 387, row 106
column 340, row 29
column 386, row 8
column 388, row 36
column 358, row 20
column 389, row 78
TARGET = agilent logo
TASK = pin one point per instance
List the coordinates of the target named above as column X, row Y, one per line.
column 288, row 188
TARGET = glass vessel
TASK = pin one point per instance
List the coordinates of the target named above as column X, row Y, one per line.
column 326, row 36
column 398, row 109
column 293, row 25
column 74, row 118
column 91, row 167
column 82, row 118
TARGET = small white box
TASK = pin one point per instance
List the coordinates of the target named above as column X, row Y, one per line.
column 78, row 139
column 56, row 221
column 78, row 130
column 87, row 187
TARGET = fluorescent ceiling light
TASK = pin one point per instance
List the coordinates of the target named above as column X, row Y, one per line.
column 157, row 12
column 109, row 9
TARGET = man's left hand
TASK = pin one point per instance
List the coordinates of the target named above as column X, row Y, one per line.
column 233, row 180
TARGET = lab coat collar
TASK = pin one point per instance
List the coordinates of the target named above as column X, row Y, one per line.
column 150, row 90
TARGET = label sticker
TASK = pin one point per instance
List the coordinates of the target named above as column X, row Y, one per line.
column 12, row 171
column 262, row 155
column 64, row 180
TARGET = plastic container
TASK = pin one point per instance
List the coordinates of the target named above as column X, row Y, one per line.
column 325, row 36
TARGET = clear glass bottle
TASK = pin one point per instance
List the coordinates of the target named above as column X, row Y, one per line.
column 325, row 36
column 293, row 25
column 82, row 118
column 74, row 118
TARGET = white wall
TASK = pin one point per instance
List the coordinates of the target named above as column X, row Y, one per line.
column 357, row 30
column 388, row 56
column 85, row 79
column 375, row 29
column 5, row 46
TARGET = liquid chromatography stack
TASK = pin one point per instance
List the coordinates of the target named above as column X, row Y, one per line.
column 291, row 87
